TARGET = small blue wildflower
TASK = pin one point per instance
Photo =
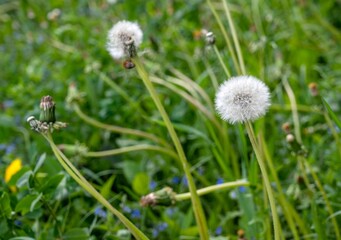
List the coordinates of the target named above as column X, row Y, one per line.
column 162, row 226
column 220, row 181
column 219, row 230
column 126, row 209
column 170, row 211
column 152, row 185
column 242, row 189
column 135, row 213
column 155, row 232
column 18, row 223
column 100, row 212
column 175, row 180
column 184, row 181
column 8, row 103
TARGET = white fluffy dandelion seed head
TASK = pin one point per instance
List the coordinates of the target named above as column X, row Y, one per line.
column 241, row 99
column 122, row 34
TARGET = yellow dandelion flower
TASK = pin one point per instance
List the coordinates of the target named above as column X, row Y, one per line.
column 12, row 169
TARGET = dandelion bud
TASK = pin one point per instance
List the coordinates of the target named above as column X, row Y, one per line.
column 128, row 64
column 210, row 38
column 241, row 99
column 313, row 89
column 290, row 138
column 47, row 112
column 163, row 197
column 286, row 127
column 123, row 39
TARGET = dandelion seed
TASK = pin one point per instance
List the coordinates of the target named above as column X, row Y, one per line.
column 241, row 99
column 123, row 39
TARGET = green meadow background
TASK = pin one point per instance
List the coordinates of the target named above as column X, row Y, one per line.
column 47, row 45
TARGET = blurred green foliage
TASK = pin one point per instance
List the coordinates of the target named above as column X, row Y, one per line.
column 47, row 45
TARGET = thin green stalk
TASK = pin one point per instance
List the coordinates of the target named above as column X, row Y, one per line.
column 78, row 177
column 118, row 129
column 290, row 214
column 261, row 163
column 234, row 37
column 210, row 72
column 214, row 188
column 293, row 105
column 227, row 39
column 227, row 72
column 131, row 149
column 197, row 207
column 190, row 99
column 333, row 131
column 324, row 195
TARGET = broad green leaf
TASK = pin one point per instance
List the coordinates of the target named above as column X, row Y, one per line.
column 3, row 226
column 130, row 169
column 141, row 183
column 5, row 206
column 39, row 163
column 76, row 234
column 28, row 203
column 52, row 183
column 106, row 189
column 24, row 179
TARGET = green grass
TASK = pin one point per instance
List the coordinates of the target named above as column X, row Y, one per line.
column 287, row 44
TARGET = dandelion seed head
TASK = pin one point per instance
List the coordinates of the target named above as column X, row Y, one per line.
column 241, row 99
column 123, row 39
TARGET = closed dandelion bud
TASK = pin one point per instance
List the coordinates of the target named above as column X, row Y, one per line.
column 47, row 110
column 286, row 127
column 290, row 138
column 163, row 197
column 210, row 38
column 123, row 39
column 241, row 99
column 128, row 64
column 313, row 89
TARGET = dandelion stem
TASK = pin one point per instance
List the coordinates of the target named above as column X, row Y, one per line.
column 227, row 39
column 78, row 177
column 235, row 38
column 214, row 188
column 197, row 207
column 227, row 72
column 293, row 104
column 265, row 176
column 131, row 149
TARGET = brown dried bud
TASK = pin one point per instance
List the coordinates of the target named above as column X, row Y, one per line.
column 128, row 64
column 313, row 89
column 163, row 197
column 286, row 127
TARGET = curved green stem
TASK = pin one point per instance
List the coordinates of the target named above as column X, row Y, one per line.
column 78, row 177
column 197, row 207
column 131, row 149
column 214, row 188
column 293, row 105
column 261, row 163
column 227, row 39
column 227, row 72
column 324, row 195
column 118, row 129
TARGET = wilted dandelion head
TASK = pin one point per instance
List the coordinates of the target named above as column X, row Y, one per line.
column 241, row 99
column 123, row 39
